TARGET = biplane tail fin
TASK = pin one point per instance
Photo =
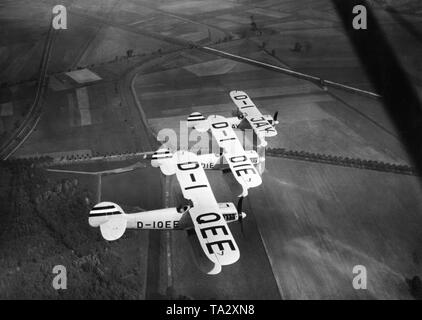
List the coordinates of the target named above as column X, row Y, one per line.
column 198, row 121
column 111, row 219
column 163, row 158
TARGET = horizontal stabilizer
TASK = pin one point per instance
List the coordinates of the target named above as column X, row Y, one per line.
column 114, row 228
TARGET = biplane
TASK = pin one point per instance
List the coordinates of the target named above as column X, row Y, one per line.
column 247, row 115
column 236, row 159
column 203, row 213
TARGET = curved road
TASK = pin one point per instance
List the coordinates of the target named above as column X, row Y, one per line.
column 33, row 116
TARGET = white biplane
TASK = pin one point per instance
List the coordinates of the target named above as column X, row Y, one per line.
column 247, row 116
column 203, row 214
column 248, row 113
column 240, row 162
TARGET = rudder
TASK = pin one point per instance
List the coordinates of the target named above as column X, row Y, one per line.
column 111, row 219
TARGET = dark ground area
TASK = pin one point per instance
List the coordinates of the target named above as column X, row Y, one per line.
column 46, row 225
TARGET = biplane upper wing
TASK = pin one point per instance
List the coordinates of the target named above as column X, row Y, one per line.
column 252, row 114
column 211, row 229
column 239, row 162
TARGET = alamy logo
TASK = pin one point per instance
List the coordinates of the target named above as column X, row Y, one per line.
column 360, row 278
column 60, row 18
column 60, row 280
column 201, row 141
column 360, row 20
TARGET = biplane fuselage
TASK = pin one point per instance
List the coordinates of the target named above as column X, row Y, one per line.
column 160, row 219
column 173, row 218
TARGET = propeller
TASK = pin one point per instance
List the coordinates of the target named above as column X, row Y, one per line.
column 237, row 113
column 275, row 117
column 239, row 212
